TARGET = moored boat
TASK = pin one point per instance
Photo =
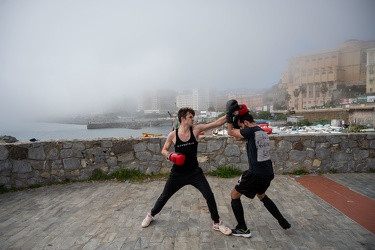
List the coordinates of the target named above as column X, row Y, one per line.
column 151, row 135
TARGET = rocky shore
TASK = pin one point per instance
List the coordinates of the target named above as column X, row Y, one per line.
column 7, row 139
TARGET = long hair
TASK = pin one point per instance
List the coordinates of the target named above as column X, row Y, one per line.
column 183, row 112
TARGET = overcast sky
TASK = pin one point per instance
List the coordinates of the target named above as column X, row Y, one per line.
column 77, row 56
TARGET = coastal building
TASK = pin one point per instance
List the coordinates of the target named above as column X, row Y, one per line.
column 162, row 101
column 370, row 88
column 158, row 101
column 253, row 99
column 316, row 79
column 199, row 99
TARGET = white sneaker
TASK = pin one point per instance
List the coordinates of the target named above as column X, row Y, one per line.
column 146, row 222
column 222, row 228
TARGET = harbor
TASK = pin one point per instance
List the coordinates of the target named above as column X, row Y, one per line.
column 133, row 124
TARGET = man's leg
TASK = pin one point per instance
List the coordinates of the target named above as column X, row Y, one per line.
column 238, row 209
column 171, row 187
column 272, row 208
column 200, row 182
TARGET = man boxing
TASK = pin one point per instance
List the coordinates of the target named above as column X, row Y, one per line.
column 185, row 169
column 257, row 179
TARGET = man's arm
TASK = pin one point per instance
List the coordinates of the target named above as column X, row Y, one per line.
column 204, row 127
column 234, row 132
column 168, row 143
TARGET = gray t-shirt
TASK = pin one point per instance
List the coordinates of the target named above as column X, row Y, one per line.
column 258, row 151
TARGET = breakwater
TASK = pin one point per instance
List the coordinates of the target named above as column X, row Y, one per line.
column 138, row 124
column 25, row 164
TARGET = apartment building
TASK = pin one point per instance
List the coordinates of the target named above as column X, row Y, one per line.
column 314, row 79
column 158, row 101
column 253, row 102
column 198, row 99
column 370, row 88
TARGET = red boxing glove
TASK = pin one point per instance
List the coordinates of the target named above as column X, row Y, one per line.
column 176, row 158
column 265, row 128
column 242, row 109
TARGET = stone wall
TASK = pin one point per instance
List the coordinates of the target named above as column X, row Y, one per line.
column 25, row 164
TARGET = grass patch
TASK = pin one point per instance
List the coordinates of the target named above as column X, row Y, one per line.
column 3, row 190
column 98, row 174
column 332, row 171
column 300, row 171
column 226, row 172
column 36, row 185
column 125, row 175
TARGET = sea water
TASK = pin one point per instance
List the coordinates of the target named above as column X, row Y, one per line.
column 56, row 131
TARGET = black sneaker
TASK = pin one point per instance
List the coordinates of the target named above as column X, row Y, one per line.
column 284, row 224
column 240, row 232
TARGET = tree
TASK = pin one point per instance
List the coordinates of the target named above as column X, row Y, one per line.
column 287, row 99
column 281, row 117
column 296, row 94
column 306, row 122
column 302, row 89
column 253, row 114
column 264, row 115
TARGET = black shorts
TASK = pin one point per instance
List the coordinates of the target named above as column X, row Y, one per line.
column 250, row 184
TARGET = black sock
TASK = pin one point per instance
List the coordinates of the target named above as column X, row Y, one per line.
column 238, row 213
column 272, row 208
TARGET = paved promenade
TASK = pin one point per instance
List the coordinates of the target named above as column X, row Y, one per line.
column 108, row 215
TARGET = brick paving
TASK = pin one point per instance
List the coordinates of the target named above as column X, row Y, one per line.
column 108, row 215
column 355, row 182
column 354, row 205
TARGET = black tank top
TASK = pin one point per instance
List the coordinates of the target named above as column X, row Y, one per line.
column 190, row 150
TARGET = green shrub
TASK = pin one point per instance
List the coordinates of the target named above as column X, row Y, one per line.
column 281, row 117
column 226, row 172
column 306, row 122
column 98, row 174
column 3, row 189
column 356, row 129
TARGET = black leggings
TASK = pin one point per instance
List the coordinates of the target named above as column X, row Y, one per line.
column 176, row 181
